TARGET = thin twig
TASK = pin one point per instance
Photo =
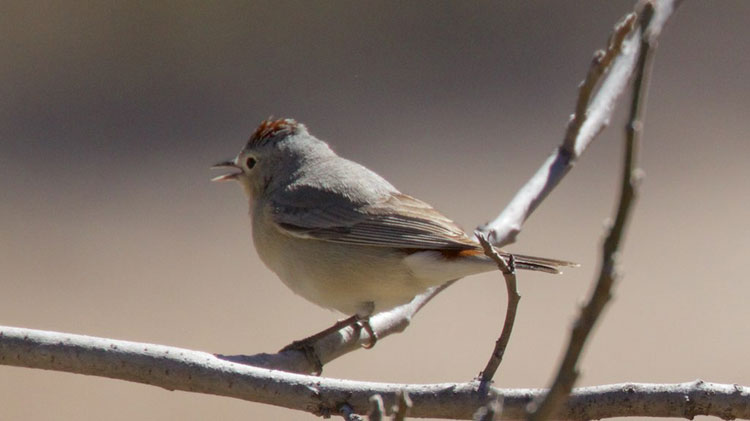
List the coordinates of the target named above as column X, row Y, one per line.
column 567, row 373
column 508, row 271
column 599, row 65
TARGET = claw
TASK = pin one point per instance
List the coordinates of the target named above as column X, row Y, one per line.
column 365, row 324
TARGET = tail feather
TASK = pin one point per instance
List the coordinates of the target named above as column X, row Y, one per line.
column 540, row 264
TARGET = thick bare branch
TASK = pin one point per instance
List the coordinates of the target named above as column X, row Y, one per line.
column 194, row 371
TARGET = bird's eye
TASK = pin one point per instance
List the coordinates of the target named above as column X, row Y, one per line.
column 250, row 163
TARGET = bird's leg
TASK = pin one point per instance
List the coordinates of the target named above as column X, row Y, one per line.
column 306, row 345
column 363, row 321
column 360, row 320
column 296, row 345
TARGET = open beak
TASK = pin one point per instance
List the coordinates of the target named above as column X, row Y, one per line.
column 229, row 176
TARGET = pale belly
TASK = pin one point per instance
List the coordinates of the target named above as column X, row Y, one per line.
column 348, row 278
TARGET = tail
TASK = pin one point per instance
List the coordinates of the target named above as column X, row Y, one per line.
column 539, row 264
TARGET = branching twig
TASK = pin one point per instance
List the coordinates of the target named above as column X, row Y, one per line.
column 181, row 369
column 485, row 377
column 571, row 148
column 567, row 373
column 599, row 65
column 591, row 117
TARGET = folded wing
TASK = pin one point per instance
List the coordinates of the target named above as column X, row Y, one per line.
column 396, row 220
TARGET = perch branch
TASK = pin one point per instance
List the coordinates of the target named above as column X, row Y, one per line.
column 194, row 371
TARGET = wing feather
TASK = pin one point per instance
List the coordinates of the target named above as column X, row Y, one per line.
column 396, row 220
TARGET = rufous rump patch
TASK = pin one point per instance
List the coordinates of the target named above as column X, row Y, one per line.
column 449, row 253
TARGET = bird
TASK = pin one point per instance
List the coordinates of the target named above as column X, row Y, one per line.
column 343, row 237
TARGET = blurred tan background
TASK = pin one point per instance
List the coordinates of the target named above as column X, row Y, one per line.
column 112, row 112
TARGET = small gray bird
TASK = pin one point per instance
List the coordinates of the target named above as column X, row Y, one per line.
column 342, row 236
